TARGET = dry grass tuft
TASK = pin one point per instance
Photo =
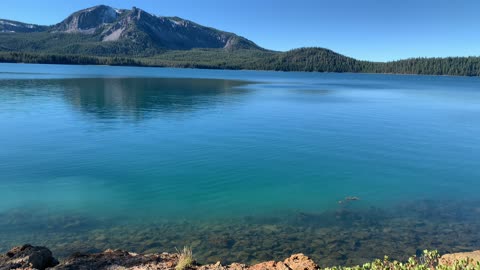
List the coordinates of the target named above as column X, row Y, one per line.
column 185, row 258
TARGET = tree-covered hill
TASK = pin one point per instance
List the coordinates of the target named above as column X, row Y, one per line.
column 307, row 59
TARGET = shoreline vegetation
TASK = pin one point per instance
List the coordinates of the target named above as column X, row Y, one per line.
column 36, row 257
column 299, row 60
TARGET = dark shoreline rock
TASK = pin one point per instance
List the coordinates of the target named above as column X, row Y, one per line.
column 27, row 257
column 118, row 259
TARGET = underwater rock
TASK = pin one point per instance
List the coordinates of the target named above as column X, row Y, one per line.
column 349, row 199
column 221, row 241
column 346, row 235
column 27, row 257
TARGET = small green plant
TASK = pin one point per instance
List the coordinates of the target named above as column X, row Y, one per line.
column 428, row 261
column 185, row 258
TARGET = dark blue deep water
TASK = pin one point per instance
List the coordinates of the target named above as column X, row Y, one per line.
column 240, row 165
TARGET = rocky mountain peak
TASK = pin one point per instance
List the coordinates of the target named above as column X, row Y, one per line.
column 138, row 29
column 87, row 20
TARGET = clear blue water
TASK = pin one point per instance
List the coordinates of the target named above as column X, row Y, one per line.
column 144, row 147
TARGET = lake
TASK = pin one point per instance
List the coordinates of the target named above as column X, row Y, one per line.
column 240, row 165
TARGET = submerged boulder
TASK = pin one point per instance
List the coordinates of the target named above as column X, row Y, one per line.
column 27, row 257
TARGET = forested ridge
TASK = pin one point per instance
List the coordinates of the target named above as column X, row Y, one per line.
column 304, row 59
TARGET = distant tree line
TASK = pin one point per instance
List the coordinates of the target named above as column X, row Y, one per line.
column 304, row 59
column 20, row 57
column 458, row 66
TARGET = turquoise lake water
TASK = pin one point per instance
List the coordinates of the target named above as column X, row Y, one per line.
column 241, row 165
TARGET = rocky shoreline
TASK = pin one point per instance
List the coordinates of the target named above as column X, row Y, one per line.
column 28, row 257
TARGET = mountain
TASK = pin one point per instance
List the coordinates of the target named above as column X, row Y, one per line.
column 103, row 30
column 8, row 26
column 109, row 36
column 88, row 20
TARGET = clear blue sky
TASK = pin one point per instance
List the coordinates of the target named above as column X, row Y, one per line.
column 365, row 29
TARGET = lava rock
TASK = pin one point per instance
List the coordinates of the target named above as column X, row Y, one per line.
column 27, row 257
